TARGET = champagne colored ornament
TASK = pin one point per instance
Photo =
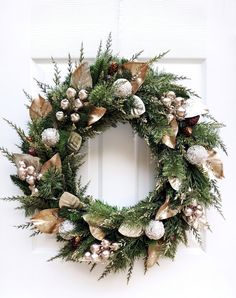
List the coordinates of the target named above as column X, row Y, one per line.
column 105, row 254
column 30, row 170
column 97, row 232
column 105, row 243
column 171, row 95
column 95, row 248
column 39, row 108
column 197, row 155
column 87, row 256
column 54, row 162
column 50, row 137
column 139, row 73
column 166, row 101
column 21, row 173
column 139, row 107
column 178, row 101
column 122, row 88
column 96, row 114
column 153, row 254
column 215, row 164
column 180, row 113
column 66, row 230
column 155, row 230
column 47, row 221
column 83, row 94
column 65, row 104
column 74, row 142
column 78, row 104
column 194, row 107
column 81, row 77
column 165, row 211
column 27, row 160
column 70, row 201
column 75, row 117
column 95, row 258
column 70, row 93
column 194, row 215
column 170, row 140
column 131, row 231
column 30, row 180
column 114, row 246
column 60, row 116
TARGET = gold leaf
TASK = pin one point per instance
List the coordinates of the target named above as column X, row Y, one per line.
column 93, row 221
column 215, row 164
column 138, row 71
column 39, row 108
column 54, row 162
column 175, row 183
column 165, row 211
column 28, row 159
column 133, row 231
column 97, row 233
column 81, row 77
column 153, row 254
column 69, row 200
column 95, row 114
column 47, row 221
column 170, row 140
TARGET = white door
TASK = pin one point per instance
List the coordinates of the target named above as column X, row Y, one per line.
column 201, row 36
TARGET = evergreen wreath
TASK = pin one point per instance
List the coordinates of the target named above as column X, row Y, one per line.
column 176, row 126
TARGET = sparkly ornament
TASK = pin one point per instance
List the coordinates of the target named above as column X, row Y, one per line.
column 105, row 254
column 122, row 88
column 50, row 137
column 66, row 229
column 75, row 117
column 74, row 142
column 178, row 101
column 81, row 77
column 70, row 93
column 70, row 201
column 30, row 170
column 65, row 104
column 21, row 173
column 60, row 116
column 30, row 180
column 77, row 104
column 83, row 94
column 139, row 107
column 155, row 230
column 197, row 155
column 87, row 256
column 39, row 108
column 95, row 258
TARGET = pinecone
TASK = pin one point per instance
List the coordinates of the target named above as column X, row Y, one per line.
column 113, row 67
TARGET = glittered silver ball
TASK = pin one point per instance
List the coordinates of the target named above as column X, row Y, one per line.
column 197, row 154
column 66, row 228
column 87, row 256
column 95, row 258
column 166, row 101
column 122, row 88
column 60, row 116
column 70, row 93
column 50, row 137
column 155, row 230
column 105, row 254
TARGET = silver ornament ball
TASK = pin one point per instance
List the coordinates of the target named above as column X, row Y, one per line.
column 105, row 254
column 166, row 101
column 155, row 230
column 87, row 256
column 21, row 172
column 122, row 88
column 30, row 180
column 95, row 258
column 50, row 137
column 197, row 155
column 66, row 229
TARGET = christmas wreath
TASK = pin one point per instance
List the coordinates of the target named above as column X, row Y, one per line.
column 176, row 126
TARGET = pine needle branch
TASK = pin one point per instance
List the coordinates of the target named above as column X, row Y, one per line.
column 136, row 55
column 108, row 44
column 99, row 49
column 81, row 58
column 43, row 87
column 57, row 75
column 7, row 154
column 157, row 58
column 19, row 130
column 69, row 68
column 28, row 96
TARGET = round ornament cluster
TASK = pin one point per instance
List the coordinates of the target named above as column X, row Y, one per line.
column 181, row 136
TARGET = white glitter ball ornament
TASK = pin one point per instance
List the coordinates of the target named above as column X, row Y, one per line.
column 155, row 230
column 139, row 107
column 50, row 136
column 66, row 228
column 197, row 155
column 122, row 88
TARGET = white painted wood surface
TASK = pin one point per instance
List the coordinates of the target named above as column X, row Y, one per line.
column 197, row 34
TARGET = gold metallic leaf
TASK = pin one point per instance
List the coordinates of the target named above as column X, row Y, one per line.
column 28, row 159
column 215, row 164
column 69, row 200
column 133, row 231
column 170, row 140
column 153, row 254
column 93, row 221
column 54, row 162
column 97, row 233
column 81, row 77
column 138, row 71
column 47, row 221
column 95, row 114
column 39, row 108
column 165, row 211
column 74, row 142
column 175, row 183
